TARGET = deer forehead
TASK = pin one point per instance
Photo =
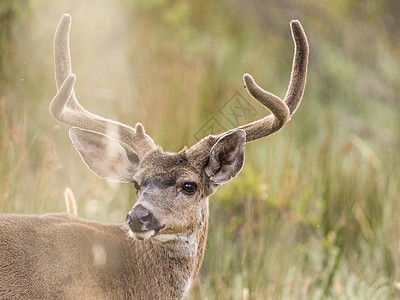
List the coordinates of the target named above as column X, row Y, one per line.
column 166, row 169
column 164, row 160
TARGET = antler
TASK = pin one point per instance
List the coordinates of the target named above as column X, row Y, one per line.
column 66, row 108
column 282, row 111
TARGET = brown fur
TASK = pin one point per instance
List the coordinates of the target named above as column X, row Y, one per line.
column 57, row 261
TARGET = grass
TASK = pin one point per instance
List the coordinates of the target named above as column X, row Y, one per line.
column 314, row 213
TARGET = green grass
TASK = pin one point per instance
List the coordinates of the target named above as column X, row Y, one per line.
column 314, row 213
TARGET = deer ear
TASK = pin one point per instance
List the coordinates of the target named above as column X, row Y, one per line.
column 226, row 157
column 106, row 157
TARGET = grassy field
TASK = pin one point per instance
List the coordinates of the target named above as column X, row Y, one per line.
column 314, row 214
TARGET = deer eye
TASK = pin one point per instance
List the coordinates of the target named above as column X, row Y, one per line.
column 189, row 188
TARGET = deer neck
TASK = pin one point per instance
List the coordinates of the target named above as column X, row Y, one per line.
column 168, row 265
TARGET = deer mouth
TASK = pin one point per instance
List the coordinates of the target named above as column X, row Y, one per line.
column 144, row 234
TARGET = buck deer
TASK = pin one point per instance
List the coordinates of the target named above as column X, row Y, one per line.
column 158, row 251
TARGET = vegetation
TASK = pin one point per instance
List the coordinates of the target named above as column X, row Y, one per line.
column 314, row 213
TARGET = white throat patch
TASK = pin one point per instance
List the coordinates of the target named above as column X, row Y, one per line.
column 184, row 244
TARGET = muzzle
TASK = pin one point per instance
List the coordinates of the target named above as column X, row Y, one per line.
column 142, row 222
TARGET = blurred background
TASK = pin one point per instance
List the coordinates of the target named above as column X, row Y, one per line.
column 314, row 214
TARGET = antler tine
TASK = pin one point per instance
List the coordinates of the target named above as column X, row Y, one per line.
column 281, row 110
column 298, row 77
column 66, row 108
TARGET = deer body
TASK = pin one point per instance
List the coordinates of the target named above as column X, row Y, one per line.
column 158, row 251
column 66, row 257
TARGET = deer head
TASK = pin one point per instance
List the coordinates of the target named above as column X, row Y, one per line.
column 172, row 188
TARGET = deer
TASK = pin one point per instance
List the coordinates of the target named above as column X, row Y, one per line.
column 158, row 251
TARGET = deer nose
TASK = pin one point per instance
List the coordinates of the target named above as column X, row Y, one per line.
column 140, row 219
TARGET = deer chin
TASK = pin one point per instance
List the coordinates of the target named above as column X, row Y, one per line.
column 145, row 234
column 171, row 234
column 140, row 236
column 162, row 236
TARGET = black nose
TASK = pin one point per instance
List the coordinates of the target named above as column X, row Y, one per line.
column 140, row 219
